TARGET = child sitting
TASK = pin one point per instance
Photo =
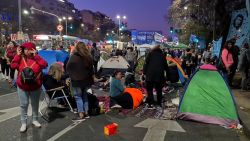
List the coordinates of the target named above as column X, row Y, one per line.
column 129, row 77
column 127, row 98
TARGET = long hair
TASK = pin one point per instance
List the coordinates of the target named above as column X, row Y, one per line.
column 84, row 52
column 56, row 71
column 226, row 46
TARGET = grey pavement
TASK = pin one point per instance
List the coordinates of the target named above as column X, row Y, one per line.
column 63, row 129
column 243, row 104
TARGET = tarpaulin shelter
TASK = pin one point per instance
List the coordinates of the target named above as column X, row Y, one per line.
column 208, row 99
column 52, row 56
column 112, row 64
column 182, row 76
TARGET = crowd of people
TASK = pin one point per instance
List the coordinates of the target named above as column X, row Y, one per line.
column 79, row 73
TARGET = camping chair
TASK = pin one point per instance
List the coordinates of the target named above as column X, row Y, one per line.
column 49, row 100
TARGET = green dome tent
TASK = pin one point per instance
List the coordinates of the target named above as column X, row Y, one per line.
column 208, row 99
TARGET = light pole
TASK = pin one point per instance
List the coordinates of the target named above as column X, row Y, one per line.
column 66, row 22
column 119, row 24
column 20, row 15
column 45, row 12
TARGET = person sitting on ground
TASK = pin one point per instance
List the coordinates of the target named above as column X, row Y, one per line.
column 129, row 77
column 55, row 79
column 127, row 98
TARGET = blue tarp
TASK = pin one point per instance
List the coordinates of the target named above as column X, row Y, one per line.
column 52, row 56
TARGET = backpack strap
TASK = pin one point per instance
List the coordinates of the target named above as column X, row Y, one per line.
column 25, row 63
column 38, row 75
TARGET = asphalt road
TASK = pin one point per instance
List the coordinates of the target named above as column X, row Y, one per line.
column 61, row 127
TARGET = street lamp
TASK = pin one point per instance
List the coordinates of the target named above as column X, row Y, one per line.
column 20, row 15
column 25, row 12
column 66, row 21
column 185, row 8
column 82, row 25
column 119, row 24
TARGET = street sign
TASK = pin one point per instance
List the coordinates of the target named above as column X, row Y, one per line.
column 59, row 28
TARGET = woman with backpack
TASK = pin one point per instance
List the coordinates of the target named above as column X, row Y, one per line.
column 29, row 81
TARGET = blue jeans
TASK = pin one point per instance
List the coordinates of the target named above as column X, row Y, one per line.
column 24, row 103
column 81, row 98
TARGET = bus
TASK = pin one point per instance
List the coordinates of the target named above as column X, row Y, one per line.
column 50, row 41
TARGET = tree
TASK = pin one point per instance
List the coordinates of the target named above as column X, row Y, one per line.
column 208, row 19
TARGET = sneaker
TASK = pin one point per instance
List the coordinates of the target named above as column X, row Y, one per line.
column 159, row 107
column 151, row 107
column 86, row 116
column 23, row 128
column 75, row 111
column 116, row 106
column 36, row 124
column 78, row 119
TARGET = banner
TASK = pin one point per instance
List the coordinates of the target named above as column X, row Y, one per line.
column 239, row 27
column 145, row 37
column 217, row 47
column 248, row 7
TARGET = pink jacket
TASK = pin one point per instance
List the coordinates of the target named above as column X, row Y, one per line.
column 227, row 58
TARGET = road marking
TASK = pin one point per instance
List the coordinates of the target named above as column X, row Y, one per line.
column 157, row 129
column 13, row 112
column 8, row 94
column 9, row 113
column 59, row 134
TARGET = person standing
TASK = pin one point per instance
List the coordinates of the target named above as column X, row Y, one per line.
column 29, row 81
column 80, row 70
column 95, row 52
column 244, row 62
column 4, row 67
column 187, row 62
column 154, row 70
column 11, row 51
column 130, row 57
column 235, row 53
column 227, row 61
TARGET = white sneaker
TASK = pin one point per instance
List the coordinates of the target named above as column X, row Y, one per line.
column 23, row 128
column 37, row 124
column 116, row 106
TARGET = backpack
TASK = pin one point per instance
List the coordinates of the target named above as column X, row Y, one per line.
column 94, row 108
column 96, row 54
column 27, row 75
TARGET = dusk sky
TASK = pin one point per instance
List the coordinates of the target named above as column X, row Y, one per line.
column 142, row 14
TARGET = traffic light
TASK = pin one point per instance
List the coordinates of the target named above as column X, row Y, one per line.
column 171, row 29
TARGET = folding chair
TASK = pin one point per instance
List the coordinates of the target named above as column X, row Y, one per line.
column 48, row 100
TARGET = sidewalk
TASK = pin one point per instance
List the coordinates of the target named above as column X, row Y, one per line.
column 243, row 103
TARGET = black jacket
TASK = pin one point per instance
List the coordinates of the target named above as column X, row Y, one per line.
column 51, row 83
column 81, row 75
column 155, row 66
